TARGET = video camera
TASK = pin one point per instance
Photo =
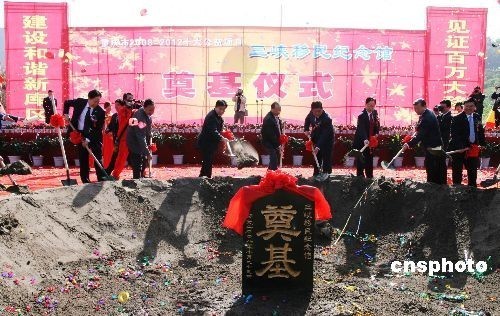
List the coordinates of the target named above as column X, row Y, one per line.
column 135, row 104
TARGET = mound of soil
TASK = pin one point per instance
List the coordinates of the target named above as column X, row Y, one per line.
column 80, row 250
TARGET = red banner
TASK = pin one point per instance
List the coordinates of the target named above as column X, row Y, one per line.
column 186, row 69
column 36, row 42
column 456, row 45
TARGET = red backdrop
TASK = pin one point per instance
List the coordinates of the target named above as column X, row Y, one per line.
column 185, row 69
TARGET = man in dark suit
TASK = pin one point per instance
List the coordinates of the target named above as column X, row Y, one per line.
column 444, row 119
column 322, row 136
column 478, row 98
column 272, row 129
column 466, row 130
column 368, row 125
column 210, row 136
column 139, row 138
column 429, row 135
column 88, row 119
column 48, row 105
column 495, row 96
column 307, row 124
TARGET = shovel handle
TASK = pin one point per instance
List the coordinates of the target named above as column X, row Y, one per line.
column 228, row 146
column 95, row 160
column 457, row 151
column 363, row 149
column 397, row 155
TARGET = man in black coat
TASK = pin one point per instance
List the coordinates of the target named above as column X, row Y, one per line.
column 210, row 136
column 307, row 124
column 88, row 119
column 272, row 129
column 444, row 120
column 495, row 96
column 478, row 97
column 466, row 129
column 322, row 136
column 48, row 108
column 429, row 135
column 139, row 138
column 368, row 125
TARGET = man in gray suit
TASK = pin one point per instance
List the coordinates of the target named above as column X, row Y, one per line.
column 139, row 138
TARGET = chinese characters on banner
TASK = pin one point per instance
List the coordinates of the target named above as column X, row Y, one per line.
column 35, row 52
column 457, row 42
column 278, row 250
column 186, row 69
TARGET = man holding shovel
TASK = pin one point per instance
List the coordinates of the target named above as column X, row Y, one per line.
column 429, row 135
column 322, row 136
column 467, row 132
column 367, row 128
column 88, row 119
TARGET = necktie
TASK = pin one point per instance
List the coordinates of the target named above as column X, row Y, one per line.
column 372, row 124
column 87, row 119
column 472, row 132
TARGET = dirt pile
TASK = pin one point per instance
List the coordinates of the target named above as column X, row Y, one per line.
column 77, row 250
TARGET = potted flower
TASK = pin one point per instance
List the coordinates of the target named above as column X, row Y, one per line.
column 393, row 144
column 347, row 143
column 159, row 139
column 35, row 147
column 419, row 156
column 176, row 141
column 297, row 146
column 15, row 149
column 487, row 151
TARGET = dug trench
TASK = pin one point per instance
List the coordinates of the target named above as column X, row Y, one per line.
column 74, row 250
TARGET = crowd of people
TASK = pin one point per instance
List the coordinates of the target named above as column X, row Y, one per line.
column 125, row 135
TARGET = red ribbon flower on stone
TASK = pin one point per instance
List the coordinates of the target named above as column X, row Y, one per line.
column 75, row 137
column 153, row 148
column 228, row 134
column 57, row 120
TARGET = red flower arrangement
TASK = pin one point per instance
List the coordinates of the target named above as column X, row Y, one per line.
column 57, row 120
column 309, row 145
column 373, row 142
column 406, row 139
column 75, row 137
column 153, row 147
column 283, row 139
column 228, row 134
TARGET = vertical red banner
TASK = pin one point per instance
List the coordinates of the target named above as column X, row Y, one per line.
column 36, row 44
column 456, row 44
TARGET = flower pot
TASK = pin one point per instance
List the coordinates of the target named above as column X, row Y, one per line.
column 13, row 159
column 77, row 162
column 297, row 160
column 58, row 161
column 37, row 161
column 234, row 161
column 419, row 162
column 265, row 160
column 398, row 162
column 178, row 159
column 375, row 161
column 485, row 162
column 154, row 160
column 349, row 162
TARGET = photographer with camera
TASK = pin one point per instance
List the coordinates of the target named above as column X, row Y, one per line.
column 496, row 106
column 478, row 98
column 240, row 107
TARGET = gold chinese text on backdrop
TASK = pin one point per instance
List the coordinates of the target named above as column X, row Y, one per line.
column 457, row 44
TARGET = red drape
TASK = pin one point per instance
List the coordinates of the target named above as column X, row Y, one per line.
column 241, row 203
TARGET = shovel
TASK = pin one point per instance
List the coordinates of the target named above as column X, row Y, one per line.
column 389, row 165
column 68, row 181
column 321, row 176
column 15, row 188
column 358, row 153
column 106, row 176
column 228, row 146
column 489, row 182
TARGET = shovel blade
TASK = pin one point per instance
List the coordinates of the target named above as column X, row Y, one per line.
column 69, row 182
column 489, row 182
column 385, row 165
column 321, row 177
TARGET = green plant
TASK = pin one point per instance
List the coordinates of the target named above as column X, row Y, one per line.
column 176, row 141
column 490, row 149
column 14, row 147
column 158, row 138
column 392, row 143
column 297, row 145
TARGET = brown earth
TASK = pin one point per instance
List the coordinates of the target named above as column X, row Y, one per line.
column 72, row 250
